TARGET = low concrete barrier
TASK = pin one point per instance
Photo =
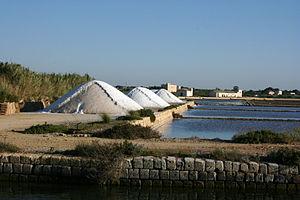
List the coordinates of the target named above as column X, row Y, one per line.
column 9, row 108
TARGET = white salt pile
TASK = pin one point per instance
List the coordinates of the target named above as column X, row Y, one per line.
column 168, row 97
column 147, row 99
column 94, row 97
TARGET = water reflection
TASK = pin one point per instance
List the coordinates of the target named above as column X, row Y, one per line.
column 63, row 192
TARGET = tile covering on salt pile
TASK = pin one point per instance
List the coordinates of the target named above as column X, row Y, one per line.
column 94, row 97
column 168, row 97
column 147, row 99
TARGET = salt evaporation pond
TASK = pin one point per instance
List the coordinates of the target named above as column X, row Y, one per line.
column 227, row 127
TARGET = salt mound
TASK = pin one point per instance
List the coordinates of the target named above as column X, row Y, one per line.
column 94, row 97
column 147, row 99
column 168, row 96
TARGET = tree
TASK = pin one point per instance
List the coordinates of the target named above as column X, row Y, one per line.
column 236, row 88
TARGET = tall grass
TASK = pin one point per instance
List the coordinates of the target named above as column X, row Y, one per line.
column 18, row 82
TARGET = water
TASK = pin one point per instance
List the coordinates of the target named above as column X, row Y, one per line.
column 68, row 192
column 227, row 127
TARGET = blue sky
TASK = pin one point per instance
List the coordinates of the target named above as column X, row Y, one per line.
column 205, row 44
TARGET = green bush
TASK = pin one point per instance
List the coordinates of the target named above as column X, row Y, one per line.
column 109, row 158
column 168, row 107
column 138, row 115
column 128, row 131
column 46, row 128
column 263, row 136
column 284, row 156
column 106, row 118
column 6, row 147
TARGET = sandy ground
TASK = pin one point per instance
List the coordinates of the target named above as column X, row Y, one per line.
column 21, row 121
column 47, row 142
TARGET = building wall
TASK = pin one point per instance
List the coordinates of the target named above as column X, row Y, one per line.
column 170, row 87
column 221, row 94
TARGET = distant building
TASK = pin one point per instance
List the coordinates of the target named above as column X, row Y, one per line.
column 226, row 94
column 279, row 92
column 271, row 93
column 185, row 92
column 170, row 87
column 293, row 93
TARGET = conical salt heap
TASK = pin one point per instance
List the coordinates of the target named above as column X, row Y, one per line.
column 94, row 97
column 147, row 99
column 168, row 97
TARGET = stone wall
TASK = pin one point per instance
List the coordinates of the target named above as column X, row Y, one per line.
column 46, row 168
column 151, row 171
column 208, row 173
column 163, row 117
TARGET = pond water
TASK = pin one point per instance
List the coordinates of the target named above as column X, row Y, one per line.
column 68, row 192
column 227, row 120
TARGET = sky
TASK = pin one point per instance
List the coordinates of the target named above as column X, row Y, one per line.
column 204, row 44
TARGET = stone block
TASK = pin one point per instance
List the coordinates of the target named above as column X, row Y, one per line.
column 47, row 170
column 75, row 162
column 25, row 159
column 283, row 169
column 219, row 166
column 76, row 171
column 55, row 160
column 236, row 166
column 164, row 174
column 179, row 164
column 230, row 176
column 134, row 173
column 228, row 166
column 144, row 173
column 148, row 162
column 259, row 178
column 189, row 164
column 137, row 162
column 163, row 163
column 199, row 185
column 281, row 187
column 135, row 182
column 209, row 185
column 177, row 183
column 184, row 175
column 14, row 159
column 154, row 174
column 167, row 183
column 211, row 176
column 174, row 175
column 221, row 176
column 249, row 177
column 253, row 167
column 128, row 163
column 37, row 169
column 199, row 165
column 263, row 168
column 66, row 171
column 278, row 178
column 209, row 165
column 65, row 161
column 240, row 177
column 171, row 163
column 7, row 168
column 269, row 178
column 146, row 183
column 294, row 170
column 244, row 167
column 157, row 183
column 124, row 182
column 157, row 163
column 273, row 168
column 187, row 184
column 4, row 159
column 193, row 175
column 45, row 160
column 17, row 168
column 202, row 176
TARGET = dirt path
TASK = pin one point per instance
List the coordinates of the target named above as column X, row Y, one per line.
column 24, row 120
column 44, row 143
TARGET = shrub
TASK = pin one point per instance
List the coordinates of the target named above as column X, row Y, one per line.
column 168, row 107
column 6, row 147
column 284, row 156
column 106, row 118
column 263, row 136
column 128, row 131
column 46, row 128
column 109, row 158
column 138, row 115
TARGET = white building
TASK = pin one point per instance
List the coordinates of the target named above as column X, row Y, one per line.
column 227, row 94
column 170, row 87
column 185, row 92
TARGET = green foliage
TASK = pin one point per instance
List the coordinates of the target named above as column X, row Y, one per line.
column 128, row 131
column 168, row 107
column 284, row 156
column 18, row 82
column 6, row 147
column 262, row 136
column 46, row 128
column 106, row 118
column 138, row 115
column 202, row 92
